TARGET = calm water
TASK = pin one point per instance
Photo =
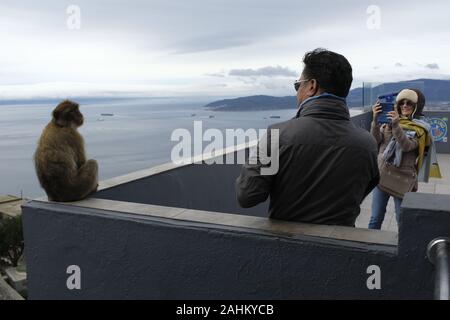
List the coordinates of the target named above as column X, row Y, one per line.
column 138, row 136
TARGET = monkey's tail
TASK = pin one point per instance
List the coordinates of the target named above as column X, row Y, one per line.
column 85, row 181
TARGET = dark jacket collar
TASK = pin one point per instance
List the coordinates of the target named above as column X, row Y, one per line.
column 324, row 106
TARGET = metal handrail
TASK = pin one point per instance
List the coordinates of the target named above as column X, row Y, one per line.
column 438, row 252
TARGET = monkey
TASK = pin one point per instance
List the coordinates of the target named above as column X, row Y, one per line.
column 60, row 158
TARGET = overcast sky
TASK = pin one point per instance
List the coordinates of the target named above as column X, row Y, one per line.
column 211, row 47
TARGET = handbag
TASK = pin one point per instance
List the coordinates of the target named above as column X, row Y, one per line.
column 396, row 181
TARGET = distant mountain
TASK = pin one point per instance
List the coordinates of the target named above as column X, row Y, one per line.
column 436, row 91
column 55, row 101
column 254, row 103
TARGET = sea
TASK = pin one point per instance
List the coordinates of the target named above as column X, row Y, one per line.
column 123, row 136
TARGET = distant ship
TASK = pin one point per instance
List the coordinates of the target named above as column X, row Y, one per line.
column 211, row 116
column 193, row 115
column 107, row 114
column 274, row 117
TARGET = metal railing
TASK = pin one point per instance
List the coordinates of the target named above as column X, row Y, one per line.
column 438, row 252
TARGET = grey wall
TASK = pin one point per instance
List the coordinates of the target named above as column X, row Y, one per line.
column 126, row 256
column 363, row 120
column 201, row 187
column 424, row 218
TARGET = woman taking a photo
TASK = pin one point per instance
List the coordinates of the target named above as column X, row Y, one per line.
column 401, row 144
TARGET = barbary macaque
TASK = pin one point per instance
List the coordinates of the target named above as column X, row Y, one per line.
column 60, row 158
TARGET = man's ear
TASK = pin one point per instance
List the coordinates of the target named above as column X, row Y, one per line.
column 313, row 87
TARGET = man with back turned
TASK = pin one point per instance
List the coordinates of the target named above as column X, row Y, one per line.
column 327, row 165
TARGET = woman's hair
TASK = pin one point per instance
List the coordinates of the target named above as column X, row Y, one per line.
column 420, row 103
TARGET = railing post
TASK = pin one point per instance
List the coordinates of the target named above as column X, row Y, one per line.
column 438, row 252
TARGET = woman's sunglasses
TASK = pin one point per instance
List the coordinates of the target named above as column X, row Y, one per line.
column 408, row 103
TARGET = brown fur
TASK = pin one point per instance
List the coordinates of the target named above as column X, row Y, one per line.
column 60, row 158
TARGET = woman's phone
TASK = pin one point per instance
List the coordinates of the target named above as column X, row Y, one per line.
column 383, row 116
column 387, row 105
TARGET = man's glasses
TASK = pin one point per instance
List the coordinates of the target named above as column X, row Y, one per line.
column 298, row 82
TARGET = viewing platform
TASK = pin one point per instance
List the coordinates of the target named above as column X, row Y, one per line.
column 177, row 232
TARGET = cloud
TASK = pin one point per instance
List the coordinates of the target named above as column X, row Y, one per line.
column 268, row 71
column 218, row 75
column 433, row 66
column 161, row 44
column 209, row 43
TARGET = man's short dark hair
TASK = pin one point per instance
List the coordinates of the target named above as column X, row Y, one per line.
column 332, row 71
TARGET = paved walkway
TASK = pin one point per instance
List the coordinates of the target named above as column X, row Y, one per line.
column 10, row 206
column 438, row 186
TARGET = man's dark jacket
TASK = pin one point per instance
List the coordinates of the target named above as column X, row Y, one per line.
column 327, row 166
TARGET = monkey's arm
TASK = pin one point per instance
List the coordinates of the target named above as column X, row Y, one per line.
column 79, row 150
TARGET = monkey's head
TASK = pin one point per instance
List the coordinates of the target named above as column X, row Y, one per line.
column 67, row 114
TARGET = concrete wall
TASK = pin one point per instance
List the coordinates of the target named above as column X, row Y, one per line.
column 363, row 120
column 123, row 256
column 424, row 218
column 201, row 187
column 130, row 256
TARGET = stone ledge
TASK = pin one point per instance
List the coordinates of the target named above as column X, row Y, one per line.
column 258, row 224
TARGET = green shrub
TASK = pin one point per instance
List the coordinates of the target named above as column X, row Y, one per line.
column 11, row 239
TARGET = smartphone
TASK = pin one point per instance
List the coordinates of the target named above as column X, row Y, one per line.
column 387, row 105
column 383, row 116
